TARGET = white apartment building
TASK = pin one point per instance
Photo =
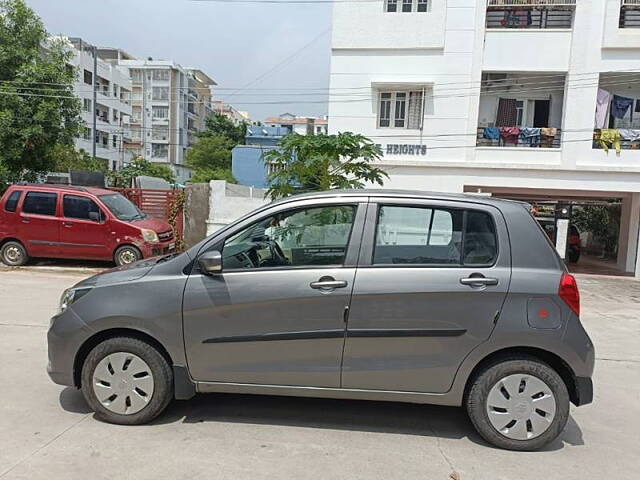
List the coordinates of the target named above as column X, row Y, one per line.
column 439, row 83
column 112, row 106
column 169, row 106
column 299, row 125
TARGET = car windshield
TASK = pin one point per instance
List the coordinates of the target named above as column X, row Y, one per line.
column 122, row 208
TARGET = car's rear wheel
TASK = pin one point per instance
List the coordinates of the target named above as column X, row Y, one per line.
column 518, row 404
column 127, row 381
column 127, row 254
column 13, row 254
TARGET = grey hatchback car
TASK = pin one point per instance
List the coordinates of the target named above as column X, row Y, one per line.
column 372, row 295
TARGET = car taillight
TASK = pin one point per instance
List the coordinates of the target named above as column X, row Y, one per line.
column 568, row 291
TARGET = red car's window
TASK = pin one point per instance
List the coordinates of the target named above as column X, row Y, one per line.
column 40, row 203
column 12, row 202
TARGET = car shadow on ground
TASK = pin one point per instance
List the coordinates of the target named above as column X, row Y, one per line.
column 354, row 415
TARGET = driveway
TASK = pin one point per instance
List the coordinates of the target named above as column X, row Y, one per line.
column 47, row 431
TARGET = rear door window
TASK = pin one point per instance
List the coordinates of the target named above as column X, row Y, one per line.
column 434, row 236
column 75, row 206
column 40, row 203
column 12, row 202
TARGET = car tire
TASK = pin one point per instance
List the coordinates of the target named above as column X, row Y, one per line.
column 126, row 255
column 126, row 381
column 531, row 413
column 14, row 254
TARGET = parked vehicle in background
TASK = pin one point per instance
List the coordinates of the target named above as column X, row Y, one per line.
column 372, row 295
column 573, row 238
column 86, row 223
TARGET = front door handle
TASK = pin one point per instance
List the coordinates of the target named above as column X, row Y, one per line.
column 328, row 283
column 478, row 281
column 68, row 224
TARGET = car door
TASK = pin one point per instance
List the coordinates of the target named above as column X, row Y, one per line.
column 39, row 224
column 431, row 282
column 275, row 315
column 84, row 230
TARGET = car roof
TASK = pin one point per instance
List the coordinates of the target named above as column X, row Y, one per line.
column 64, row 188
column 390, row 193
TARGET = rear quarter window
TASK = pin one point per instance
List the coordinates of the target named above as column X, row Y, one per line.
column 12, row 202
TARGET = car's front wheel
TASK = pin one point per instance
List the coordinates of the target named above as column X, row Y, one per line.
column 127, row 254
column 127, row 381
column 518, row 404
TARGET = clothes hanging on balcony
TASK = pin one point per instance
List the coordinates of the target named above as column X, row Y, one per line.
column 509, row 135
column 609, row 137
column 516, row 18
column 620, row 105
column 548, row 136
column 530, row 136
column 602, row 108
column 507, row 113
column 491, row 133
column 629, row 134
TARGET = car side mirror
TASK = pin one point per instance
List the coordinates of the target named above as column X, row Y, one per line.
column 211, row 262
column 94, row 216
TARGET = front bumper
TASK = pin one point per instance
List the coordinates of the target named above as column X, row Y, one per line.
column 64, row 338
column 155, row 249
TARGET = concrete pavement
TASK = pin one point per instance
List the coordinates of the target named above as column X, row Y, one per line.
column 47, row 431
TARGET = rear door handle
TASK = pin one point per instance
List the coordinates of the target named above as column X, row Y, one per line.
column 328, row 284
column 26, row 220
column 478, row 281
column 68, row 224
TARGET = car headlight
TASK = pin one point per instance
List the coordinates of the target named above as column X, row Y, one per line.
column 71, row 295
column 149, row 236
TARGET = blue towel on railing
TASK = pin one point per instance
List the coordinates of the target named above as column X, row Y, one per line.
column 491, row 133
column 530, row 136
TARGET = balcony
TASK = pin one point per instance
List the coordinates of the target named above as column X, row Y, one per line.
column 530, row 14
column 617, row 112
column 521, row 110
column 629, row 14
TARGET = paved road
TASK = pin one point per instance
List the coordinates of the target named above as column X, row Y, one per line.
column 47, row 432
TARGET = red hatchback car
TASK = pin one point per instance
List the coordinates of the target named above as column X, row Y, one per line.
column 78, row 223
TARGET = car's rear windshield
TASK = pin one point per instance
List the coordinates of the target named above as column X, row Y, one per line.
column 122, row 208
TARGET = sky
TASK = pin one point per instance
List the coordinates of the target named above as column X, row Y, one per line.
column 258, row 47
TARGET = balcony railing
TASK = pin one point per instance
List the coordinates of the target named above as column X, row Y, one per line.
column 629, row 14
column 496, row 138
column 530, row 14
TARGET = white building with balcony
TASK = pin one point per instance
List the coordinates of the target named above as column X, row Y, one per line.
column 112, row 107
column 498, row 97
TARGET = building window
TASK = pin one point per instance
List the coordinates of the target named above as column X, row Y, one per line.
column 160, row 113
column 160, row 133
column 115, row 141
column 160, row 93
column 162, row 75
column 86, row 105
column 136, row 75
column 159, row 150
column 88, row 77
column 408, row 6
column 86, row 134
column 400, row 110
column 115, row 115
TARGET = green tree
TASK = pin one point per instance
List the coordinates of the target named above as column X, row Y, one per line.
column 306, row 163
column 122, row 178
column 603, row 221
column 38, row 109
column 68, row 158
column 210, row 157
column 219, row 125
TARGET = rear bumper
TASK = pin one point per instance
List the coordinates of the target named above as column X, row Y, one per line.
column 584, row 389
